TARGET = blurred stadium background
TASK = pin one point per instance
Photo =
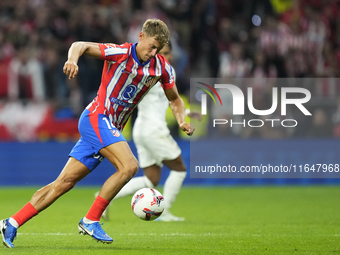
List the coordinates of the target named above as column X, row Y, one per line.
column 39, row 106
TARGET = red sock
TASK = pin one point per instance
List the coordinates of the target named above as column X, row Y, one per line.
column 24, row 214
column 97, row 209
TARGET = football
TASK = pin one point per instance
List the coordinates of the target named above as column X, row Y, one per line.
column 147, row 204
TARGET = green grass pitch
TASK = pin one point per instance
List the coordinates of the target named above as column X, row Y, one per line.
column 219, row 220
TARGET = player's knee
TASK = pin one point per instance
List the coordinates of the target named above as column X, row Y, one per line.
column 154, row 180
column 62, row 186
column 67, row 186
column 176, row 164
column 181, row 168
column 130, row 169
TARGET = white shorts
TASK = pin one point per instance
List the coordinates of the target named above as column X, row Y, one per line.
column 154, row 149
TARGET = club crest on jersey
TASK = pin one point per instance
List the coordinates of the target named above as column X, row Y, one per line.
column 115, row 132
column 149, row 80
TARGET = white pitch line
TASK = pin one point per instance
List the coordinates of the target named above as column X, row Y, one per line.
column 47, row 234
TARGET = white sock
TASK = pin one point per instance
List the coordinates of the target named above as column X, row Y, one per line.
column 172, row 187
column 87, row 221
column 13, row 222
column 133, row 185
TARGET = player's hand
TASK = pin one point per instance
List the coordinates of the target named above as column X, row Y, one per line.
column 71, row 69
column 187, row 128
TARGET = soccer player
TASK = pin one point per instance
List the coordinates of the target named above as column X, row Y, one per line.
column 130, row 70
column 156, row 147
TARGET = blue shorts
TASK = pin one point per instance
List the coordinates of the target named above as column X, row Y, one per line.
column 96, row 132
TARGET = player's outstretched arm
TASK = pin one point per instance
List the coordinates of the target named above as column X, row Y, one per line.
column 177, row 107
column 76, row 50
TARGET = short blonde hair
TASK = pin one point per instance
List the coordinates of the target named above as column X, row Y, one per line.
column 158, row 29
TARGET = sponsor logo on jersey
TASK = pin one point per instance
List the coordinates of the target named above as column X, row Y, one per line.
column 129, row 92
column 121, row 102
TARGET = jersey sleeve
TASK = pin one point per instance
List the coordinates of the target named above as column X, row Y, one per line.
column 168, row 76
column 113, row 52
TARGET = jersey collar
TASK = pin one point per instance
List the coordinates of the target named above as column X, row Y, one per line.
column 134, row 55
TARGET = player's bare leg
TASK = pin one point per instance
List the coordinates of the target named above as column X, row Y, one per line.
column 176, row 164
column 135, row 184
column 73, row 172
column 153, row 173
column 121, row 156
column 151, row 178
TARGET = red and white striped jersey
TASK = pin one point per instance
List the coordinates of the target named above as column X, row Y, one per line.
column 125, row 81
